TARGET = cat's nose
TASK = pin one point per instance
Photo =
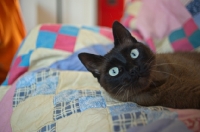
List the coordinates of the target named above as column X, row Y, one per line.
column 134, row 71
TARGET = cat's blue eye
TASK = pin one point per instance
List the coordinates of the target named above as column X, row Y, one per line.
column 114, row 71
column 134, row 53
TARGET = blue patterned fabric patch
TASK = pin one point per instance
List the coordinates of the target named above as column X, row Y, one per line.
column 48, row 86
column 133, row 107
column 66, row 96
column 26, row 80
column 130, row 114
column 35, row 83
column 69, row 102
column 124, row 121
column 194, row 7
column 65, row 109
column 70, row 95
column 124, row 108
column 48, row 128
column 23, row 93
column 46, row 73
column 91, row 102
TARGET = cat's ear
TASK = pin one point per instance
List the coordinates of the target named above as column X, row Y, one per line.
column 120, row 34
column 91, row 62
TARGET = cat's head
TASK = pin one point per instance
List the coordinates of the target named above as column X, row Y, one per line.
column 126, row 69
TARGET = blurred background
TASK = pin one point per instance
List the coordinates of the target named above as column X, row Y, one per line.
column 18, row 17
column 161, row 24
column 87, row 12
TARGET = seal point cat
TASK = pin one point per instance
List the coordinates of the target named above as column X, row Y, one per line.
column 132, row 72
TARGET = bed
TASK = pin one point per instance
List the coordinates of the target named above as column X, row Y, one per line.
column 49, row 90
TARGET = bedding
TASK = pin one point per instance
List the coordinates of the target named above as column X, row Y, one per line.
column 48, row 89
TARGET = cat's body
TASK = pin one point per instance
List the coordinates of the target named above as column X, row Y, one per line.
column 175, row 81
column 132, row 72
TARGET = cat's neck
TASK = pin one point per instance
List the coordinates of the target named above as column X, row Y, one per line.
column 160, row 70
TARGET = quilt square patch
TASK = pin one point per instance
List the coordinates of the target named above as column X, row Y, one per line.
column 46, row 39
column 183, row 45
column 91, row 102
column 190, row 27
column 25, row 59
column 16, row 70
column 65, row 42
column 48, row 86
column 70, row 95
column 94, row 29
column 195, row 39
column 26, row 80
column 35, row 83
column 65, row 109
column 44, row 74
column 51, row 27
column 91, row 93
column 22, row 93
column 46, row 82
column 194, row 7
column 131, row 114
column 69, row 30
column 124, row 121
column 176, row 35
column 48, row 128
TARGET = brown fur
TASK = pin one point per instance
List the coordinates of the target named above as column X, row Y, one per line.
column 180, row 77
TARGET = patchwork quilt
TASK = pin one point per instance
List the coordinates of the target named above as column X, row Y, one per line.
column 49, row 90
column 166, row 25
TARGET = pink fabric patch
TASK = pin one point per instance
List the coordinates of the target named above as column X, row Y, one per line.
column 189, row 27
column 107, row 32
column 158, row 18
column 52, row 28
column 126, row 21
column 190, row 117
column 65, row 42
column 151, row 44
column 6, row 110
column 182, row 45
column 16, row 70
column 137, row 34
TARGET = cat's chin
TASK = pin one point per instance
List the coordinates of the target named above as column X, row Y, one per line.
column 129, row 91
column 143, row 82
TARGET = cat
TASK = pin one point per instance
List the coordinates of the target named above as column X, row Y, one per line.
column 131, row 72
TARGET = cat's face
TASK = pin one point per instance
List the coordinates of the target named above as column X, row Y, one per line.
column 126, row 69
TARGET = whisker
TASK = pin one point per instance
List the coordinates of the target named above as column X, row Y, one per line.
column 153, row 82
column 150, row 58
column 169, row 64
column 168, row 74
column 133, row 91
column 120, row 90
column 124, row 96
column 127, row 94
column 116, row 87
